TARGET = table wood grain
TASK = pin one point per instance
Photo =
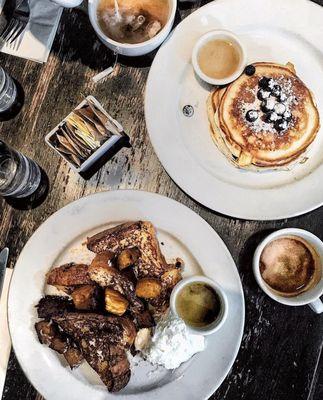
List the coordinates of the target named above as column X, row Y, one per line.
column 280, row 356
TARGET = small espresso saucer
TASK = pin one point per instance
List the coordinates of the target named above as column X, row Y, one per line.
column 310, row 297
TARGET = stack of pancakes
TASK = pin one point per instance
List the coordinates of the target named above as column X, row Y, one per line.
column 266, row 119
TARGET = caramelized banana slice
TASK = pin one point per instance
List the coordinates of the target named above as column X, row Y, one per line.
column 86, row 297
column 172, row 277
column 148, row 288
column 128, row 257
column 115, row 303
column 104, row 259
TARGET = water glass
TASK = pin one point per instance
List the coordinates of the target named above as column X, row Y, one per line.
column 19, row 176
column 8, row 91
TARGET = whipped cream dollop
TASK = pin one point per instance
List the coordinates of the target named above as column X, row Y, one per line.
column 172, row 343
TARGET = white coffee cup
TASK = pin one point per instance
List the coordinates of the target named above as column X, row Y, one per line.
column 125, row 49
column 219, row 321
column 310, row 296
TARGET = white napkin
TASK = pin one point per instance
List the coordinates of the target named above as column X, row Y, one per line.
column 5, row 345
column 36, row 41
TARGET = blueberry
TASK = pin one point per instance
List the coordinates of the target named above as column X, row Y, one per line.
column 263, row 94
column 252, row 115
column 280, row 108
column 272, row 117
column 270, row 84
column 282, row 97
column 276, row 90
column 287, row 116
column 268, row 105
column 281, row 125
column 250, row 70
column 263, row 83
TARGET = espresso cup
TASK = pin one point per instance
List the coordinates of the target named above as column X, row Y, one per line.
column 126, row 49
column 310, row 296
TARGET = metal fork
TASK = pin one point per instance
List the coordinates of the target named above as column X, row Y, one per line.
column 18, row 22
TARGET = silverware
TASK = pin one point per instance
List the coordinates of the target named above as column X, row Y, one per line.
column 18, row 22
column 3, row 264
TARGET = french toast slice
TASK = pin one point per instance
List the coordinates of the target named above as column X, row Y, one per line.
column 68, row 275
column 49, row 306
column 119, row 330
column 49, row 335
column 102, row 341
column 139, row 234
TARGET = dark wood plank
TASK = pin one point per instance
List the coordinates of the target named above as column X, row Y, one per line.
column 280, row 353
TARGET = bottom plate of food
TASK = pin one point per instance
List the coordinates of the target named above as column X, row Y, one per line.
column 88, row 301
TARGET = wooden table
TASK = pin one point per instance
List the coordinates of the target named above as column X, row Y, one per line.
column 280, row 356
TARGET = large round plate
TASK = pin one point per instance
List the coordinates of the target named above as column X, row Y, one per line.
column 182, row 233
column 272, row 30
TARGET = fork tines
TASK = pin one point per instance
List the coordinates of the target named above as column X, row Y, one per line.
column 17, row 24
column 12, row 31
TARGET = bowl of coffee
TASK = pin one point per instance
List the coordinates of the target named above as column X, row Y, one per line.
column 288, row 267
column 132, row 27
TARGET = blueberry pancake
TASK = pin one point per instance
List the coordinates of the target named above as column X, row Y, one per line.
column 267, row 118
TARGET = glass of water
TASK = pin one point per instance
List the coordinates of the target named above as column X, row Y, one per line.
column 8, row 91
column 19, row 176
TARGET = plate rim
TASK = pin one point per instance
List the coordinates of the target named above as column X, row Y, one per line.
column 191, row 189
column 144, row 193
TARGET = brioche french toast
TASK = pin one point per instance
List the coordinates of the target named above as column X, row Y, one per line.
column 68, row 275
column 266, row 120
column 49, row 334
column 102, row 341
column 140, row 234
column 54, row 305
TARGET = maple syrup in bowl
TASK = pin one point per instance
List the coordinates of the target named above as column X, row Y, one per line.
column 200, row 303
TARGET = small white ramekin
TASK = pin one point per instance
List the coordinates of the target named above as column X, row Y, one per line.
column 225, row 35
column 214, row 326
column 311, row 296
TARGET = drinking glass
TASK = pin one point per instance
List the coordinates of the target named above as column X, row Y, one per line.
column 19, row 176
column 8, row 91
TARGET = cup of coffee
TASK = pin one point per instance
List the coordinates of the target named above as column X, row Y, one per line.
column 130, row 27
column 288, row 267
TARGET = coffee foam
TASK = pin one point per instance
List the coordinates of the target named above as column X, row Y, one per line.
column 289, row 265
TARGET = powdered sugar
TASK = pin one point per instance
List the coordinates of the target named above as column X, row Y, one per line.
column 271, row 103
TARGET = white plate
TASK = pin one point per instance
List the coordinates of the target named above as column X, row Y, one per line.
column 184, row 234
column 272, row 30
